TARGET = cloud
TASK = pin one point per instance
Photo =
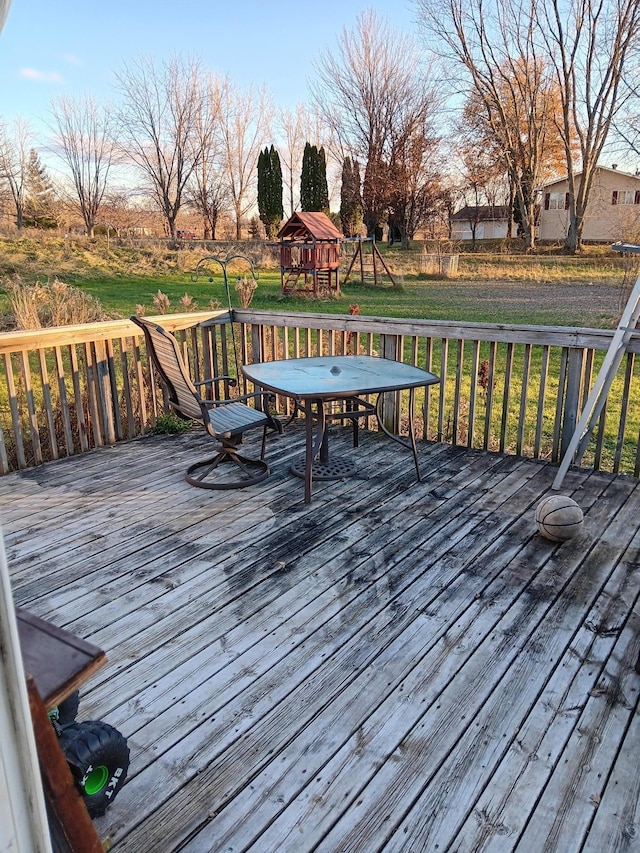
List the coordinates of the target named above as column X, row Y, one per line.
column 41, row 76
column 70, row 59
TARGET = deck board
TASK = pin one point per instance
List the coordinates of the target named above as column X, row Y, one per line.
column 398, row 666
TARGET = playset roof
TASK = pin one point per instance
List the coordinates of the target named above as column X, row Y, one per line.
column 309, row 226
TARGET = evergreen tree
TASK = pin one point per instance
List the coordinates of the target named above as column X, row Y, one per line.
column 40, row 203
column 321, row 182
column 314, row 190
column 270, row 190
column 350, row 198
column 306, row 178
column 277, row 208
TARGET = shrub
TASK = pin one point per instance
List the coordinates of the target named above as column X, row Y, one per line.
column 55, row 303
column 161, row 302
column 245, row 289
column 170, row 424
column 188, row 303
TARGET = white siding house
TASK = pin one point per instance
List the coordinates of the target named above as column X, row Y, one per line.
column 491, row 222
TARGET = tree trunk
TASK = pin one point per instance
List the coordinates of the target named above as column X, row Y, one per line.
column 573, row 243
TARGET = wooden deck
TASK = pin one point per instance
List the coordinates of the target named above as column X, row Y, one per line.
column 399, row 666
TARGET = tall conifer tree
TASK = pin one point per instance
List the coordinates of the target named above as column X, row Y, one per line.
column 350, row 198
column 40, row 203
column 270, row 190
column 314, row 191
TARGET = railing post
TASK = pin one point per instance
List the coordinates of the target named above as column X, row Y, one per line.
column 391, row 346
column 575, row 369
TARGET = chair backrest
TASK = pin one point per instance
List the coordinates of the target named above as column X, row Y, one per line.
column 163, row 350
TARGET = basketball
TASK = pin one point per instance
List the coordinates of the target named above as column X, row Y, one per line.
column 558, row 518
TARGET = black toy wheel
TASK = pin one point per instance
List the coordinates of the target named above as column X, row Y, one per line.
column 68, row 709
column 98, row 756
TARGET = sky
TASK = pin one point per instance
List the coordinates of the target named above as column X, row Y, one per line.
column 54, row 47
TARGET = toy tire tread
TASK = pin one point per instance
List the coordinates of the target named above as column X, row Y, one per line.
column 98, row 756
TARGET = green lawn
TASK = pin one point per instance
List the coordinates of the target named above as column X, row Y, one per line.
column 574, row 303
column 544, row 289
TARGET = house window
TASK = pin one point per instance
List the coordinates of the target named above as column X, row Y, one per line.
column 557, row 201
column 625, row 197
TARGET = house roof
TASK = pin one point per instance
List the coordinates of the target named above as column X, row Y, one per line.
column 481, row 213
column 304, row 226
column 563, row 178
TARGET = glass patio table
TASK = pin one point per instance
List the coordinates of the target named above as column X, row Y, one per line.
column 314, row 382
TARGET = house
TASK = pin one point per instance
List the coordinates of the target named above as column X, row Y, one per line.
column 482, row 222
column 613, row 211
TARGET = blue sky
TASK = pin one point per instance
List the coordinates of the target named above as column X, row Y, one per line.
column 51, row 47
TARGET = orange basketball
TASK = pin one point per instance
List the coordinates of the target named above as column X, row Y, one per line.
column 558, row 518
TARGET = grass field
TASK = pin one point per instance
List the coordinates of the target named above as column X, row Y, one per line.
column 540, row 290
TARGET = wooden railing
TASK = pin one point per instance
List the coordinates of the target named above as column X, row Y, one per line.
column 68, row 389
column 515, row 389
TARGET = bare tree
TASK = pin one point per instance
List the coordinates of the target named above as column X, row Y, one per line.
column 591, row 48
column 208, row 191
column 373, row 93
column 15, row 149
column 244, row 124
column 511, row 107
column 161, row 108
column 539, row 70
column 295, row 131
column 482, row 180
column 84, row 141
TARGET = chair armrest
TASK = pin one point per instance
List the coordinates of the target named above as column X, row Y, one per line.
column 215, row 379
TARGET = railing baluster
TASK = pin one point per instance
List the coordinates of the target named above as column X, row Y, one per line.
column 504, row 420
column 126, row 382
column 444, row 355
column 48, row 405
column 524, row 389
column 491, row 381
column 542, row 393
column 473, row 392
column 64, row 404
column 457, row 394
column 15, row 412
column 113, row 392
column 31, row 408
column 624, row 410
column 557, row 424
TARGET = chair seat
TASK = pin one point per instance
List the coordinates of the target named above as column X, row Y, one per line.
column 234, row 418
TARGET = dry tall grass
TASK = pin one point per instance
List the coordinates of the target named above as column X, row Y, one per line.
column 36, row 306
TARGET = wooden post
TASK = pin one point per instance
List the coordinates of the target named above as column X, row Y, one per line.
column 571, row 397
column 391, row 346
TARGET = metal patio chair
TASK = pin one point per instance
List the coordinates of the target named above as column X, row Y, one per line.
column 224, row 420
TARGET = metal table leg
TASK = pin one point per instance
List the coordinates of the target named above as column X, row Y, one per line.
column 411, row 441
